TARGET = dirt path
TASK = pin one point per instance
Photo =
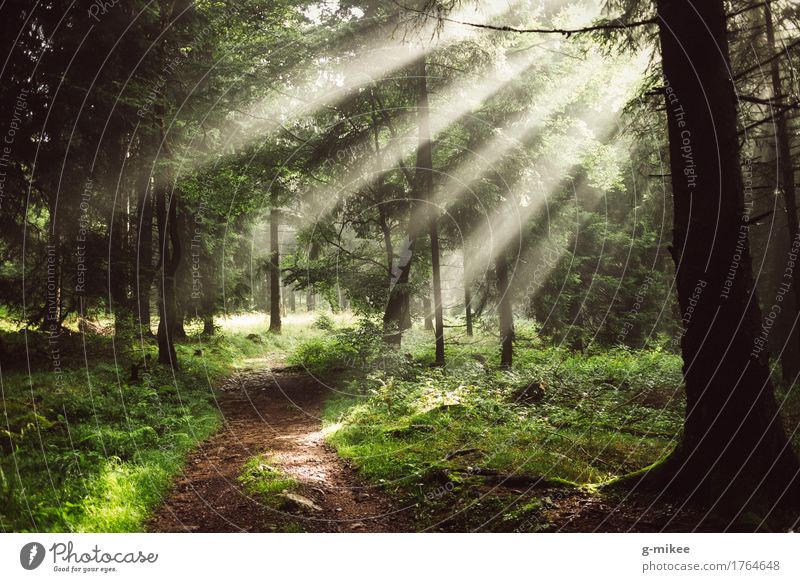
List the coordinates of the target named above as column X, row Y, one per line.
column 278, row 413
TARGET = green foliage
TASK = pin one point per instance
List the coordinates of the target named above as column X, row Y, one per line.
column 359, row 347
column 434, row 434
column 324, row 322
column 90, row 450
column 260, row 477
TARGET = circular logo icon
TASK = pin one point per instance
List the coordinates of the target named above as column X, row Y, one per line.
column 31, row 555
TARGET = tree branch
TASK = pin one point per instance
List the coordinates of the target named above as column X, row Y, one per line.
column 769, row 118
column 600, row 25
column 604, row 25
column 759, row 65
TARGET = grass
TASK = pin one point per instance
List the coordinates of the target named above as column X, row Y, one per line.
column 260, row 477
column 443, row 436
column 86, row 449
column 90, row 450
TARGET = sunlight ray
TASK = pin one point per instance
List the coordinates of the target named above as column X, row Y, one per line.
column 481, row 161
column 339, row 72
column 530, row 194
column 460, row 99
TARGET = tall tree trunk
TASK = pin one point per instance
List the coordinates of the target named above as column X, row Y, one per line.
column 183, row 276
column 49, row 319
column 119, row 182
column 734, row 452
column 425, row 179
column 505, row 312
column 144, row 271
column 438, row 313
column 396, row 317
column 791, row 355
column 209, row 293
column 117, row 272
column 171, row 252
column 427, row 312
column 181, row 315
column 275, row 270
column 467, row 295
column 387, row 244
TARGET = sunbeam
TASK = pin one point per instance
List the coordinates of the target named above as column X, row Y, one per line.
column 563, row 152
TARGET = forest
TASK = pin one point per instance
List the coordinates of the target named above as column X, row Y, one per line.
column 399, row 266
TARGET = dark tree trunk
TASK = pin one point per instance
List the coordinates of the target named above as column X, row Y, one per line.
column 438, row 314
column 180, row 319
column 396, row 317
column 791, row 356
column 505, row 313
column 144, row 271
column 387, row 244
column 50, row 320
column 208, row 325
column 208, row 297
column 734, row 453
column 119, row 181
column 425, row 180
column 170, row 247
column 467, row 296
column 183, row 276
column 274, row 270
column 118, row 276
column 427, row 312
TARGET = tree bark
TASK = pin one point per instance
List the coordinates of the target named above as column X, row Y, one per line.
column 183, row 276
column 791, row 356
column 425, row 179
column 387, row 244
column 119, row 182
column 427, row 312
column 144, row 271
column 208, row 325
column 274, row 274
column 467, row 295
column 734, row 453
column 170, row 240
column 506, row 315
column 396, row 317
column 118, row 272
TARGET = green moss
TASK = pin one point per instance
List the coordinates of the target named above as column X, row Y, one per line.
column 437, row 435
column 261, row 477
column 90, row 450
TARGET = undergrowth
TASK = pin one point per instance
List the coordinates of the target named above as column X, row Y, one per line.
column 261, row 477
column 443, row 437
column 88, row 448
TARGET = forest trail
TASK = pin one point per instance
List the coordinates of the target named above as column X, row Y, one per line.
column 277, row 413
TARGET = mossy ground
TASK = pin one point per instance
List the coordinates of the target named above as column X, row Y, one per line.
column 90, row 450
column 261, row 477
column 462, row 442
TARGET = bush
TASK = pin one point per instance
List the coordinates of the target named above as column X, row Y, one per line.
column 359, row 350
column 324, row 322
